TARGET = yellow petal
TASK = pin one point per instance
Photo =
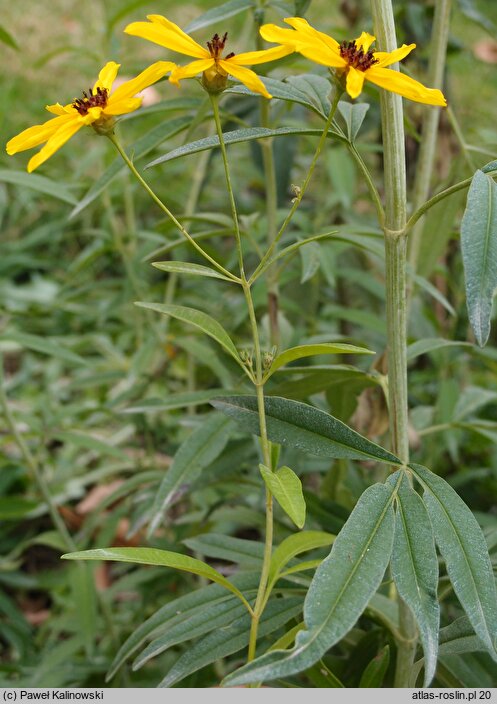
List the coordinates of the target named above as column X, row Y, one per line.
column 107, row 76
column 57, row 109
column 278, row 35
column 190, row 70
column 36, row 135
column 246, row 76
column 404, row 85
column 307, row 32
column 144, row 79
column 386, row 58
column 122, row 107
column 321, row 54
column 250, row 58
column 355, row 81
column 55, row 142
column 364, row 41
column 168, row 35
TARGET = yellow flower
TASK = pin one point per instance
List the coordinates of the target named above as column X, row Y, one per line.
column 209, row 62
column 353, row 60
column 97, row 108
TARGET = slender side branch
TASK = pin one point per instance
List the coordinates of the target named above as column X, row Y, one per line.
column 166, row 210
column 426, row 159
column 303, row 189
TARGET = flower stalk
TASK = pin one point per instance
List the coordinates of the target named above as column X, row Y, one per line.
column 395, row 273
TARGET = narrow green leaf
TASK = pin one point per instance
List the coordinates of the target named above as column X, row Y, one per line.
column 175, row 611
column 219, row 13
column 302, row 351
column 304, row 427
column 15, row 507
column 479, row 252
column 89, row 442
column 173, row 401
column 8, row 39
column 295, row 545
column 310, row 256
column 459, row 637
column 42, row 184
column 292, row 248
column 286, row 488
column 188, row 268
column 197, row 452
column 225, row 547
column 230, row 640
column 163, row 558
column 353, row 114
column 430, row 345
column 342, row 586
column 247, row 134
column 289, row 91
column 198, row 319
column 144, row 145
column 463, row 547
column 85, row 602
column 375, row 672
column 45, row 346
column 415, row 570
column 202, row 621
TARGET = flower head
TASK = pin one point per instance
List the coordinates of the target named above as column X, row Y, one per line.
column 209, row 62
column 353, row 61
column 97, row 107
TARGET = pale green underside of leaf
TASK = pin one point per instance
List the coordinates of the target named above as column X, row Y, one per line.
column 479, row 252
column 463, row 547
column 342, row 586
column 188, row 268
column 415, row 570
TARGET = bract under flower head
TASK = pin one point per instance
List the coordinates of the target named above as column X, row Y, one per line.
column 353, row 61
column 208, row 62
column 98, row 107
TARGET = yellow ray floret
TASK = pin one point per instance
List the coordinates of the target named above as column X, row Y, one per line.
column 353, row 61
column 208, row 62
column 98, row 108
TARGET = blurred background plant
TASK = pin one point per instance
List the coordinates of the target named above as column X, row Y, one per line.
column 104, row 393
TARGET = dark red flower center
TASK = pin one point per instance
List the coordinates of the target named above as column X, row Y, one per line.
column 216, row 46
column 356, row 57
column 97, row 99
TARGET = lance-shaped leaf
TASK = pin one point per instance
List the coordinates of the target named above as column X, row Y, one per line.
column 286, row 488
column 221, row 12
column 295, row 545
column 463, row 547
column 188, row 268
column 302, row 351
column 479, row 252
column 198, row 319
column 247, row 134
column 342, row 586
column 415, row 569
column 161, row 558
column 231, row 639
column 302, row 426
column 42, row 184
column 197, row 451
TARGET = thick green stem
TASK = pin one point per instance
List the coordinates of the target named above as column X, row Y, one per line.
column 302, row 189
column 395, row 272
column 431, row 114
column 231, row 194
column 34, row 468
column 166, row 210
